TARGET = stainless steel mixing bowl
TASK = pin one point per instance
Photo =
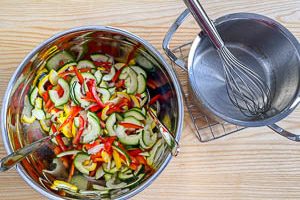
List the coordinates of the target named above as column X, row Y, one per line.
column 115, row 42
column 258, row 41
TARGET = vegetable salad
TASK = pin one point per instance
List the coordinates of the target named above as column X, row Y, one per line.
column 98, row 109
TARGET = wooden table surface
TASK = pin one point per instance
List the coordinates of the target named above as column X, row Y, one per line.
column 252, row 164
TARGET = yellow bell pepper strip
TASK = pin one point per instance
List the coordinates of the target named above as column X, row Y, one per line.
column 74, row 112
column 117, row 159
column 57, row 184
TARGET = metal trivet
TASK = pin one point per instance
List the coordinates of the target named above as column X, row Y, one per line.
column 206, row 128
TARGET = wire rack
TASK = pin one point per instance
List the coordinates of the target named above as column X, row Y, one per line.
column 206, row 129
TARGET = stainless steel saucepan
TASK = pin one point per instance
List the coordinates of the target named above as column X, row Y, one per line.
column 258, row 41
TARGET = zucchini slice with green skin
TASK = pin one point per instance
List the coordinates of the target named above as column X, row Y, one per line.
column 134, row 113
column 123, row 153
column 127, row 139
column 98, row 75
column 76, row 89
column 133, row 120
column 153, row 152
column 139, row 170
column 33, row 95
column 93, row 129
column 141, row 81
column 124, row 73
column 139, row 70
column 131, row 82
column 85, row 64
column 56, row 59
column 78, row 162
column 53, row 94
column 38, row 114
column 125, row 175
column 80, row 181
column 110, row 75
column 110, row 122
column 99, row 173
column 53, row 77
column 101, row 58
column 67, row 153
column 148, row 139
column 144, row 62
column 109, row 171
column 72, row 93
column 105, row 94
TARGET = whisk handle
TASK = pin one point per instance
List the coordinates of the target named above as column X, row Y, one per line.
column 204, row 22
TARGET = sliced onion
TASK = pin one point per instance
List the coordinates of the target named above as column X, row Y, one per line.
column 96, row 149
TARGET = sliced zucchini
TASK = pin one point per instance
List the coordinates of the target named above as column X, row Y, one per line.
column 131, row 82
column 38, row 114
column 93, row 129
column 133, row 120
column 38, row 103
column 127, row 139
column 153, row 152
column 53, row 94
column 101, row 58
column 41, row 85
column 139, row 70
column 107, row 170
column 139, row 170
column 99, row 173
column 111, row 120
column 53, row 77
column 125, row 175
column 103, row 84
column 33, row 95
column 136, row 114
column 148, row 139
column 112, row 90
column 55, row 60
column 141, row 81
column 124, row 73
column 79, row 160
column 80, row 181
column 144, row 62
column 85, row 64
column 110, row 75
column 76, row 89
column 45, row 125
column 105, row 94
column 98, row 75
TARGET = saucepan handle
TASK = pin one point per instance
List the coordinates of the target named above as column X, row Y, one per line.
column 168, row 38
column 283, row 132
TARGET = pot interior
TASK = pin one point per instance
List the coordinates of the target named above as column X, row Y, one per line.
column 262, row 45
column 81, row 43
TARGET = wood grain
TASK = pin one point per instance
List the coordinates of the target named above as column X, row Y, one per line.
column 252, row 164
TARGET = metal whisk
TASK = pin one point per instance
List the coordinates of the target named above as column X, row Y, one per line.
column 246, row 89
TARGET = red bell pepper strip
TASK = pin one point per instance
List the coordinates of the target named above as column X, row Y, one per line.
column 76, row 139
column 154, row 99
column 120, row 83
column 151, row 84
column 89, row 146
column 60, row 91
column 71, row 72
column 130, row 125
column 79, row 75
column 108, row 141
column 95, row 108
column 135, row 152
column 141, row 159
column 61, row 143
column 116, row 76
column 91, row 83
column 75, row 111
column 45, row 96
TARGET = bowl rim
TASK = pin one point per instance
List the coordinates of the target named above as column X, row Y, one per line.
column 29, row 56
